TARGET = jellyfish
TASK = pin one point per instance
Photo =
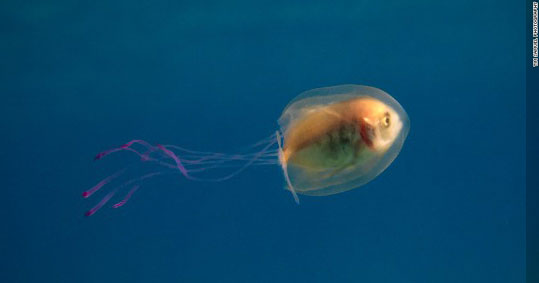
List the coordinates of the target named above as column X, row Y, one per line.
column 330, row 140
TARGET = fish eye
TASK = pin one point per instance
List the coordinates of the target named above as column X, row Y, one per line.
column 386, row 121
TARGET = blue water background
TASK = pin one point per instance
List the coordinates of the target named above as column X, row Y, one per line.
column 79, row 77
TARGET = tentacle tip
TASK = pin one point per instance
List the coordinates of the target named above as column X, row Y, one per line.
column 118, row 205
column 124, row 146
column 89, row 213
column 296, row 198
column 85, row 194
column 98, row 156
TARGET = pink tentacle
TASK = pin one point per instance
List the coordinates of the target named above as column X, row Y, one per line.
column 103, row 182
column 184, row 171
column 179, row 164
column 127, row 146
column 127, row 197
column 192, row 163
column 100, row 204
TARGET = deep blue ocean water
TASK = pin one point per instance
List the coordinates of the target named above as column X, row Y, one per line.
column 78, row 78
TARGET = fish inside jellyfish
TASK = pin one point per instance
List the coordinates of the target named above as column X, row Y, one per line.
column 330, row 140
